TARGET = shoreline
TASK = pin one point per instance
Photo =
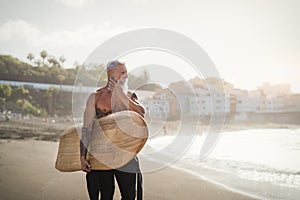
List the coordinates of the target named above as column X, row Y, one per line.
column 222, row 185
column 234, row 183
column 38, row 129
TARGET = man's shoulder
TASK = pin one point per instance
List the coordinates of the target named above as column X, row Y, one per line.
column 96, row 92
column 99, row 90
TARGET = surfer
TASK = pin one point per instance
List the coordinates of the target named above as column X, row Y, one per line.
column 113, row 97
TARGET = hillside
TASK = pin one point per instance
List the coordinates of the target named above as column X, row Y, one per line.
column 15, row 70
column 30, row 101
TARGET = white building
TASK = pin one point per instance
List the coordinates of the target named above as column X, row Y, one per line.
column 272, row 105
column 156, row 108
column 239, row 101
column 207, row 103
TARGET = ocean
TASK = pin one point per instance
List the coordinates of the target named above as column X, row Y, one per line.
column 262, row 163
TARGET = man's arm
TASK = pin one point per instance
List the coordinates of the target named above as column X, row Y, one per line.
column 134, row 98
column 130, row 103
column 86, row 135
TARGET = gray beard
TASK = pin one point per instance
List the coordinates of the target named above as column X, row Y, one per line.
column 124, row 86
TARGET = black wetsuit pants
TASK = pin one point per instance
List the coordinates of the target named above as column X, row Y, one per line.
column 103, row 181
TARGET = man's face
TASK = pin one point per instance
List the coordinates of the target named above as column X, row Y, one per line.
column 120, row 74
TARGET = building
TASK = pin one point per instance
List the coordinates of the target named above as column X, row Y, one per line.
column 292, row 103
column 272, row 91
column 204, row 98
column 209, row 100
column 156, row 108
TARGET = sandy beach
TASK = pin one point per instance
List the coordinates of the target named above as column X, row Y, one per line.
column 27, row 172
column 28, row 151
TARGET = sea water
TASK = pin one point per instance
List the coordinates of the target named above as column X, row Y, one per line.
column 263, row 163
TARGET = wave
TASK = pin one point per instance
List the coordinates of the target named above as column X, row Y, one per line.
column 265, row 161
column 252, row 171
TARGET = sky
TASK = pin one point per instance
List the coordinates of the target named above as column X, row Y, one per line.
column 249, row 41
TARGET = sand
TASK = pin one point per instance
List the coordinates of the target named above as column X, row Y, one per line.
column 27, row 172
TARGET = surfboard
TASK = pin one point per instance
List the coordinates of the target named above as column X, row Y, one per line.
column 116, row 140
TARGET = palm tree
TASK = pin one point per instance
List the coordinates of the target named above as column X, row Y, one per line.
column 52, row 60
column 51, row 94
column 30, row 57
column 44, row 54
column 62, row 59
column 61, row 78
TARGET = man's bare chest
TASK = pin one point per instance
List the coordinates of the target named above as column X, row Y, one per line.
column 103, row 102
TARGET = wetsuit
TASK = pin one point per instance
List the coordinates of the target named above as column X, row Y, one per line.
column 103, row 180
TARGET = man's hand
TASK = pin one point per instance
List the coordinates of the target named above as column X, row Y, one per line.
column 85, row 164
column 114, row 86
column 121, row 101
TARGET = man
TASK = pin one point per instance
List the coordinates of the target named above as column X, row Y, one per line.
column 112, row 97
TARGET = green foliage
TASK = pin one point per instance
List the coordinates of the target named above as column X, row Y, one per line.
column 61, row 78
column 51, row 92
column 19, row 93
column 10, row 65
column 18, row 99
column 27, row 108
column 37, row 102
column 54, row 62
column 53, row 101
column 5, row 91
column 15, row 70
column 94, row 74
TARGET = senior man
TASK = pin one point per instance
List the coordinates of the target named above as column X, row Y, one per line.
column 113, row 97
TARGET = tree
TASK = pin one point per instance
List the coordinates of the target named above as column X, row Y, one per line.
column 52, row 60
column 51, row 95
column 27, row 108
column 44, row 54
column 62, row 59
column 61, row 78
column 30, row 57
column 5, row 91
column 19, row 93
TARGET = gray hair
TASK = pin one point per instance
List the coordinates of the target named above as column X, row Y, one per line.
column 112, row 64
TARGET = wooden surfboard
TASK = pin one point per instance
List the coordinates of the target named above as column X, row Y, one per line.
column 117, row 139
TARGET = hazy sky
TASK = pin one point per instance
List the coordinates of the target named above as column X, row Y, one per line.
column 250, row 41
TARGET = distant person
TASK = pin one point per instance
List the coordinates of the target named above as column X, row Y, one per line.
column 6, row 117
column 100, row 104
column 165, row 130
